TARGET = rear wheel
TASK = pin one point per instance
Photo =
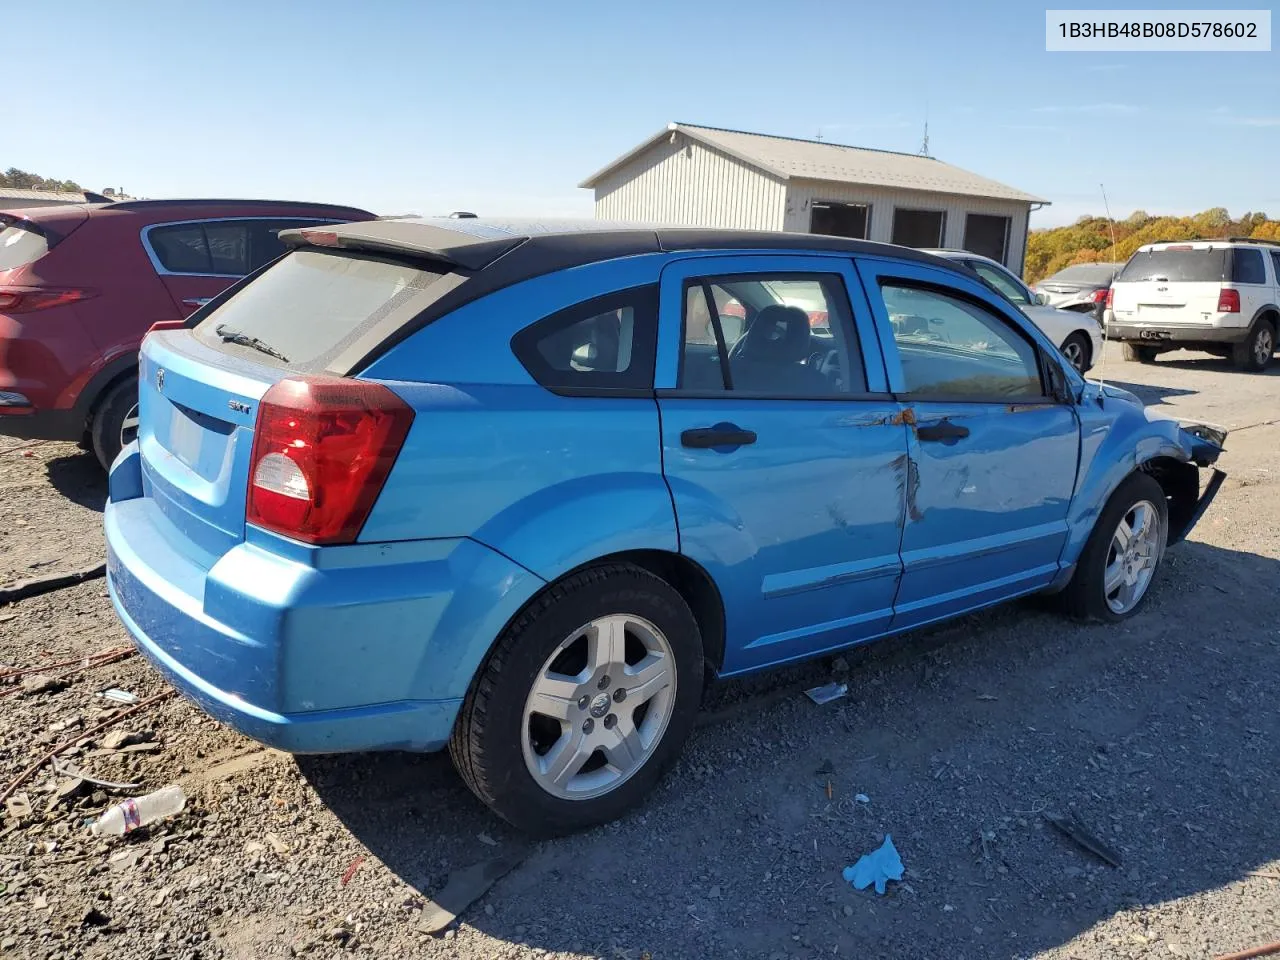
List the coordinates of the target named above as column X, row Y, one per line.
column 1138, row 353
column 115, row 421
column 584, row 702
column 1119, row 562
column 1077, row 350
column 1255, row 351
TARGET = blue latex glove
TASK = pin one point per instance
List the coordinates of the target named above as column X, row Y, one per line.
column 878, row 867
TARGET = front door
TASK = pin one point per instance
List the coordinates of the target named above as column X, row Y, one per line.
column 785, row 455
column 993, row 454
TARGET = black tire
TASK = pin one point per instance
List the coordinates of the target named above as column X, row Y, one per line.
column 1253, row 354
column 1077, row 346
column 109, row 417
column 1084, row 597
column 488, row 737
column 1137, row 353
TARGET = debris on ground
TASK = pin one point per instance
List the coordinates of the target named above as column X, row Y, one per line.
column 1266, row 950
column 18, row 806
column 350, row 872
column 861, row 798
column 71, row 770
column 826, row 770
column 120, row 696
column 119, row 739
column 827, row 692
column 465, row 886
column 487, row 840
column 878, row 867
column 1085, row 838
column 41, row 683
column 133, row 813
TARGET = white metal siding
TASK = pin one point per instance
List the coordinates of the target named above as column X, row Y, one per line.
column 689, row 184
column 883, row 200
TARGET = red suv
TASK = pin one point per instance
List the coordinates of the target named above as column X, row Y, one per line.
column 81, row 284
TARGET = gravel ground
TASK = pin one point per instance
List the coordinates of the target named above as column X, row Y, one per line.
column 1160, row 735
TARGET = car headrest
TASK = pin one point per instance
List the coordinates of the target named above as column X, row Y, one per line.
column 779, row 334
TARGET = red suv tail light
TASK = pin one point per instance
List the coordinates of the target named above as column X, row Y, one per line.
column 28, row 299
column 1111, row 296
column 1100, row 296
column 322, row 449
column 1229, row 301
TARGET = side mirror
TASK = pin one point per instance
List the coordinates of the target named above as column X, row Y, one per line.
column 1042, row 299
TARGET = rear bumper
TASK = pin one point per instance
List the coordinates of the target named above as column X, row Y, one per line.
column 369, row 647
column 43, row 425
column 1151, row 335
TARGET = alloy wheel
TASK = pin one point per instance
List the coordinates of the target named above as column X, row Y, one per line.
column 1263, row 346
column 598, row 707
column 1074, row 353
column 1132, row 557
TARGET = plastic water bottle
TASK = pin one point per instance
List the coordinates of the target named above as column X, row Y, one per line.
column 138, row 812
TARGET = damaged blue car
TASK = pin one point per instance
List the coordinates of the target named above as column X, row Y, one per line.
column 521, row 489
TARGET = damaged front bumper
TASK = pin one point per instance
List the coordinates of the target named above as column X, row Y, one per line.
column 1206, row 442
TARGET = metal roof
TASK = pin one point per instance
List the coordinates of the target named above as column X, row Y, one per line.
column 787, row 158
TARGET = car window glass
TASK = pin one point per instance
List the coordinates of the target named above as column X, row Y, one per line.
column 1177, row 264
column 264, row 241
column 228, row 243
column 1246, row 266
column 952, row 347
column 1275, row 265
column 1001, row 282
column 604, row 344
column 781, row 335
column 19, row 246
column 181, row 248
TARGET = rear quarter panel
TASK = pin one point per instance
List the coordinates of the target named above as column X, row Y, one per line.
column 550, row 481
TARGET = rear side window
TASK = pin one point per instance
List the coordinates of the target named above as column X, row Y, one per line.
column 1001, row 281
column 1247, row 267
column 603, row 346
column 19, row 245
column 1275, row 265
column 311, row 304
column 1187, row 265
column 226, row 248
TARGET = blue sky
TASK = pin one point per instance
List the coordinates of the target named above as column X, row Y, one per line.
column 503, row 107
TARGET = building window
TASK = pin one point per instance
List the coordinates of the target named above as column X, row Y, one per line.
column 987, row 235
column 839, row 219
column 919, row 228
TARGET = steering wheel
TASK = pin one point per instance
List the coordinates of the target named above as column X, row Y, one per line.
column 827, row 363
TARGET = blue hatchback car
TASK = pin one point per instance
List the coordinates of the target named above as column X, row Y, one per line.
column 522, row 489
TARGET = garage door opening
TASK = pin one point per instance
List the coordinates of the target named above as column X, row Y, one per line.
column 839, row 219
column 918, row 228
column 987, row 235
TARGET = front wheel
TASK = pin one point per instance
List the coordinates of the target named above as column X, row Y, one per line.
column 1077, row 350
column 584, row 702
column 1120, row 559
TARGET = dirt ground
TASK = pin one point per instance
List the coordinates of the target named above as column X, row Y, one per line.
column 1161, row 736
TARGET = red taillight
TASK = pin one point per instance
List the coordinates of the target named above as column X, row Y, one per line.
column 322, row 449
column 28, row 299
column 1100, row 296
column 1229, row 301
column 1111, row 296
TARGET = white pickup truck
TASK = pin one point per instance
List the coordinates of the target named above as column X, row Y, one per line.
column 1219, row 296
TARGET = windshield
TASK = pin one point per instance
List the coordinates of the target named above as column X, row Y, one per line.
column 1187, row 265
column 20, row 244
column 308, row 306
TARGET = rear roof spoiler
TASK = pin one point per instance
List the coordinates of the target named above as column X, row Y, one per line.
column 414, row 239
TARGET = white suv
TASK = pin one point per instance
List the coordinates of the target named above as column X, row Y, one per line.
column 1219, row 296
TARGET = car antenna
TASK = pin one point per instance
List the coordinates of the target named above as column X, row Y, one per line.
column 1102, row 363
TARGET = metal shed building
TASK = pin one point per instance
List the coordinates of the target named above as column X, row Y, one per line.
column 709, row 177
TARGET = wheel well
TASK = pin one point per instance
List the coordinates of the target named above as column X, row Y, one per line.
column 1272, row 318
column 91, row 397
column 697, row 588
column 1181, row 484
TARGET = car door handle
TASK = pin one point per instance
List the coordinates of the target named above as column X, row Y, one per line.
column 196, row 303
column 721, row 435
column 943, row 432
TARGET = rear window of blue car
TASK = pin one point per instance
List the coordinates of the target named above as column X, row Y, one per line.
column 312, row 304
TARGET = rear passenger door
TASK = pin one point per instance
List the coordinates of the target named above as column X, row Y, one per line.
column 198, row 259
column 784, row 453
column 993, row 453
